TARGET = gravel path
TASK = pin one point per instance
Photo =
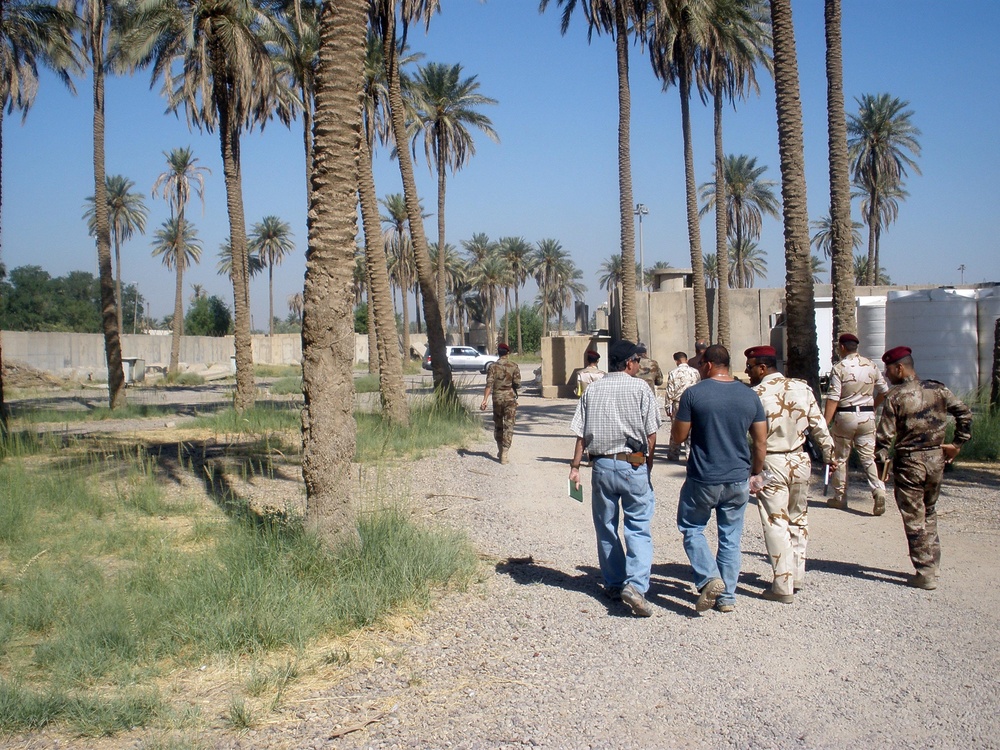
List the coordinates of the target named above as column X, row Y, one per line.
column 534, row 656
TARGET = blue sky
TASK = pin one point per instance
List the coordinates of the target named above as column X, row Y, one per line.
column 554, row 173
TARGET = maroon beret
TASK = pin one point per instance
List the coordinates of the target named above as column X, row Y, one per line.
column 502, row 348
column 896, row 354
column 848, row 337
column 760, row 351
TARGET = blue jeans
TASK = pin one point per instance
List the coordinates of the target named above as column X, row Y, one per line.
column 694, row 511
column 616, row 484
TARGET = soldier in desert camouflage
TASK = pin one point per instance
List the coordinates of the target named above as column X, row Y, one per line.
column 682, row 377
column 915, row 415
column 791, row 410
column 856, row 389
column 649, row 369
column 502, row 381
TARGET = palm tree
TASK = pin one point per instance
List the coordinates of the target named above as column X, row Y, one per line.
column 215, row 65
column 614, row 17
column 176, row 242
column 746, row 263
column 823, row 236
column 712, row 271
column 612, row 279
column 479, row 247
column 489, row 278
column 30, row 33
column 455, row 269
column 399, row 249
column 197, row 292
column 677, row 40
column 328, row 426
column 817, row 267
column 445, row 105
column 881, row 138
column 860, row 269
column 565, row 287
column 749, row 198
column 127, row 214
column 739, row 36
column 545, row 264
column 224, row 266
column 887, row 211
column 295, row 306
column 383, row 19
column 516, row 251
column 802, row 355
column 271, row 241
column 841, row 245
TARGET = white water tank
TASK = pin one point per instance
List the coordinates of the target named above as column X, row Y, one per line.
column 871, row 327
column 988, row 302
column 941, row 327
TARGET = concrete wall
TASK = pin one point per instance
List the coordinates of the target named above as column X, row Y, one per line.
column 562, row 356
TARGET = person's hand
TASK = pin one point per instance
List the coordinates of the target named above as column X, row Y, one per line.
column 833, row 464
column 482, row 406
column 574, row 476
column 950, row 451
column 756, row 483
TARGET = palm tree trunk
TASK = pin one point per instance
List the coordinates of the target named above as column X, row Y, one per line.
column 404, row 292
column 721, row 228
column 425, row 274
column 506, row 315
column 441, row 175
column 307, row 128
column 118, row 281
column 270, row 300
column 842, row 248
column 517, row 314
column 175, row 335
column 802, row 354
column 390, row 369
column 702, row 331
column 872, row 237
column 229, row 143
column 3, row 404
column 328, row 426
column 109, row 311
column 630, row 326
column 545, row 302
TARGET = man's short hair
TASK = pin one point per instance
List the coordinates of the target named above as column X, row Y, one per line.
column 678, row 356
column 849, row 346
column 716, row 354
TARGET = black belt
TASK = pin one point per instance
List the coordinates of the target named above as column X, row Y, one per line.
column 856, row 408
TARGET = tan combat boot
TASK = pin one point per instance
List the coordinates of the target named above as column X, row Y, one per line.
column 879, row 508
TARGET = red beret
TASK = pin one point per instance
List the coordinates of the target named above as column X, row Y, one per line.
column 896, row 354
column 760, row 351
column 848, row 337
column 502, row 348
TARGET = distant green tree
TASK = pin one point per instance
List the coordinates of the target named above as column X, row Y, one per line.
column 531, row 327
column 27, row 299
column 361, row 318
column 78, row 309
column 208, row 316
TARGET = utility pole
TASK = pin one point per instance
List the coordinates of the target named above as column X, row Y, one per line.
column 640, row 211
column 961, row 270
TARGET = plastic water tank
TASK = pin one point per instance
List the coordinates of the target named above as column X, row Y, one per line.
column 988, row 302
column 941, row 326
column 871, row 327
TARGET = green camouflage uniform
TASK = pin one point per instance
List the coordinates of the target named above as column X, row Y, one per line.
column 915, row 413
column 791, row 410
column 650, row 372
column 503, row 379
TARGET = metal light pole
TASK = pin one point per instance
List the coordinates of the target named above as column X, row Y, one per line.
column 640, row 211
column 961, row 269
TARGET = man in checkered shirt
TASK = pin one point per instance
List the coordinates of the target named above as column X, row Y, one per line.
column 616, row 421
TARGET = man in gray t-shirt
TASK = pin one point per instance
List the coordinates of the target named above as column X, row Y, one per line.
column 717, row 414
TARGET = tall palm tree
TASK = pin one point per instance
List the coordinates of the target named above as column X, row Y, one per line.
column 566, row 287
column 817, row 267
column 399, row 249
column 712, row 270
column 455, row 268
column 823, row 235
column 749, row 198
column 802, row 353
column 212, row 57
column 224, row 266
column 860, row 268
column 489, row 279
column 881, row 137
column 446, row 105
column 516, row 251
column 328, row 426
column 96, row 20
column 612, row 279
column 746, row 264
column 30, row 33
column 176, row 242
column 738, row 40
column 841, row 240
column 545, row 265
column 271, row 240
column 384, row 21
column 615, row 18
column 887, row 211
column 678, row 37
column 295, row 306
column 127, row 215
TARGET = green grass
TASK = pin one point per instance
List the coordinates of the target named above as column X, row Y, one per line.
column 100, row 596
column 182, row 378
column 259, row 419
column 286, row 386
column 95, row 414
column 367, row 384
column 985, row 442
column 277, row 371
column 431, row 426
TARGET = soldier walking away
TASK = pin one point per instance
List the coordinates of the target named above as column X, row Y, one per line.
column 589, row 374
column 915, row 414
column 682, row 377
column 791, row 410
column 856, row 390
column 502, row 380
column 616, row 422
column 699, row 350
column 649, row 370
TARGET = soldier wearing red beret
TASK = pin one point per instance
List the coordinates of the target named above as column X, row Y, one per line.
column 915, row 417
column 856, row 390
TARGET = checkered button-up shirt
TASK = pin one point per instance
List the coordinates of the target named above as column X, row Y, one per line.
column 616, row 407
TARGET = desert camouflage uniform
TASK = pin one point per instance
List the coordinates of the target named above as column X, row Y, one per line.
column 915, row 413
column 503, row 379
column 854, row 382
column 588, row 376
column 650, row 372
column 791, row 410
column 679, row 380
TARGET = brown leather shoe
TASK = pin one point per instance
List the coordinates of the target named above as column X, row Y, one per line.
column 636, row 601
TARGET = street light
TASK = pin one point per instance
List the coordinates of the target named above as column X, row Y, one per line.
column 640, row 211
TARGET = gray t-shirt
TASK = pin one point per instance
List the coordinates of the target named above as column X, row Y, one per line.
column 720, row 414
